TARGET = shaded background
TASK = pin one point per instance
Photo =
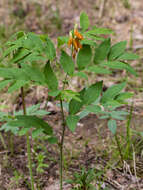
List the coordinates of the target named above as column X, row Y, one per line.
column 58, row 16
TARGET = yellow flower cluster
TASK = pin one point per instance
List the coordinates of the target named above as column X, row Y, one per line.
column 75, row 42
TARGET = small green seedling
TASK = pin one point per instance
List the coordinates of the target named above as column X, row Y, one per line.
column 41, row 165
column 83, row 180
column 15, row 181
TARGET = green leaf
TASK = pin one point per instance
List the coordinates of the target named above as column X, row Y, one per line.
column 62, row 40
column 93, row 37
column 50, row 77
column 124, row 95
column 128, row 56
column 102, row 51
column 41, row 113
column 74, row 105
column 16, row 85
column 83, row 114
column 19, row 55
column 69, row 94
column 34, row 73
column 94, row 109
column 82, row 75
column 112, row 91
column 31, row 122
column 23, row 131
column 112, row 126
column 84, row 21
column 32, row 109
column 117, row 116
column 6, row 127
column 92, row 93
column 97, row 31
column 71, row 121
column 13, row 73
column 11, row 49
column 4, row 83
column 98, row 70
column 116, row 50
column 120, row 113
column 119, row 65
column 65, row 106
column 88, row 42
column 52, row 140
column 50, row 49
column 34, row 57
column 37, row 132
column 104, row 117
column 32, row 41
column 84, row 57
column 112, row 103
column 67, row 63
column 54, row 93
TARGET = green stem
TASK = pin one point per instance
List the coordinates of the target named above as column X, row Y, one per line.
column 3, row 141
column 29, row 160
column 11, row 145
column 63, row 133
column 62, row 138
column 128, row 132
column 28, row 143
column 61, row 145
column 119, row 148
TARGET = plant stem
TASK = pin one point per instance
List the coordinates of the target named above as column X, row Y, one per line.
column 63, row 132
column 61, row 145
column 11, row 145
column 28, row 142
column 119, row 148
column 62, row 138
column 3, row 141
column 29, row 160
column 128, row 132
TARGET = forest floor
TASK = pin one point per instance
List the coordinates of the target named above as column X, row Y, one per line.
column 91, row 145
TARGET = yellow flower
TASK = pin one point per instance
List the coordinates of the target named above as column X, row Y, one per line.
column 70, row 42
column 78, row 35
column 75, row 42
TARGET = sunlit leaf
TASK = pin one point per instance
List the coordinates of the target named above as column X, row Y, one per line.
column 102, row 51
column 84, row 21
column 67, row 63
column 84, row 57
column 116, row 50
column 50, row 77
column 71, row 121
column 17, row 85
column 119, row 65
column 128, row 56
column 112, row 126
column 92, row 93
column 112, row 91
column 98, row 70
